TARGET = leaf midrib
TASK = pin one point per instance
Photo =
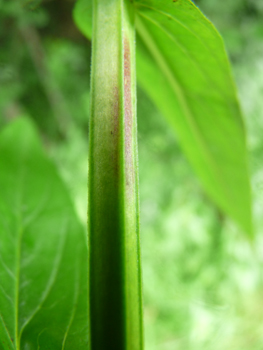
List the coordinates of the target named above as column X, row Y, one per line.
column 20, row 181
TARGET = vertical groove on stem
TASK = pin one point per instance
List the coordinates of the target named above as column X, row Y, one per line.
column 113, row 220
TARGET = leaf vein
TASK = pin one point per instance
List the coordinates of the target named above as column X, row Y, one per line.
column 189, row 30
column 186, row 52
column 7, row 332
column 55, row 269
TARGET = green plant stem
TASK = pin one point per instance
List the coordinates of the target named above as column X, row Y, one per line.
column 113, row 221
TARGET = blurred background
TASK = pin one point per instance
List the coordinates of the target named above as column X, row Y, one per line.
column 203, row 281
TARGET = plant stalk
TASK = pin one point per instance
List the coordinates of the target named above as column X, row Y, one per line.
column 113, row 215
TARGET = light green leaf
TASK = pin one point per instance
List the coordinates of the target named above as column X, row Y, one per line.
column 43, row 254
column 183, row 66
column 83, row 17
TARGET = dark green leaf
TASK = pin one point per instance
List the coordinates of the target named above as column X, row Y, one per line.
column 43, row 254
column 183, row 66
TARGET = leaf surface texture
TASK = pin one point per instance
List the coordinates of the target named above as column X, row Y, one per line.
column 183, row 66
column 43, row 253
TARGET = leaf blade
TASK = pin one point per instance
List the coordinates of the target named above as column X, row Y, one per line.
column 82, row 15
column 42, row 245
column 183, row 66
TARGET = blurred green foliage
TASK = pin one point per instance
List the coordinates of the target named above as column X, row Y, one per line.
column 203, row 282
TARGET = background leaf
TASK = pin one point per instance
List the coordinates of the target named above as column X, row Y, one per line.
column 83, row 16
column 183, row 66
column 43, row 254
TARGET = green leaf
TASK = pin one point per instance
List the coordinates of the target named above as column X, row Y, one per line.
column 82, row 15
column 183, row 66
column 43, row 254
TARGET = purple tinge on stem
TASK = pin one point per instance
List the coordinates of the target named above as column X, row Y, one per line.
column 128, row 119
